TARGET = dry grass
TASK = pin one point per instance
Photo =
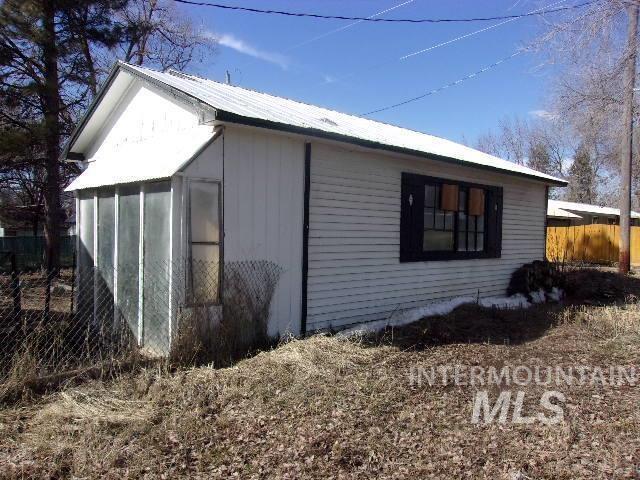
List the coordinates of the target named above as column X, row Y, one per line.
column 344, row 408
column 608, row 322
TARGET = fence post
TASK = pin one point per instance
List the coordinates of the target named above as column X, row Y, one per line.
column 73, row 282
column 47, row 292
column 15, row 286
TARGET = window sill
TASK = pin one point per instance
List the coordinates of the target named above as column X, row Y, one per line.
column 445, row 256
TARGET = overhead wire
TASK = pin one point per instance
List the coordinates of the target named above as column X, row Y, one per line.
column 373, row 19
column 345, row 27
column 444, row 87
column 409, row 55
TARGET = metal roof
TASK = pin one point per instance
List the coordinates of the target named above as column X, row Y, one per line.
column 587, row 208
column 155, row 160
column 556, row 212
column 240, row 105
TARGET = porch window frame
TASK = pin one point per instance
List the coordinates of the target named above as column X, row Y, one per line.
column 190, row 242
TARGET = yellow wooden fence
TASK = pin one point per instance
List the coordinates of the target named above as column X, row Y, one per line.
column 589, row 243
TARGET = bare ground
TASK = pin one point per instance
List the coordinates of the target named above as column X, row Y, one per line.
column 331, row 407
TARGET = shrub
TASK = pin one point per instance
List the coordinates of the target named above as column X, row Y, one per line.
column 535, row 276
column 221, row 334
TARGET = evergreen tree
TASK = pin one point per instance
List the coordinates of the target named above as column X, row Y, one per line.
column 539, row 158
column 53, row 55
column 582, row 178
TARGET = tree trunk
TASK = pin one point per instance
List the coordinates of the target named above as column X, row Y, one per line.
column 51, row 101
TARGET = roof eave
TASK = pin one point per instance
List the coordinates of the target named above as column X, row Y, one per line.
column 225, row 116
column 87, row 114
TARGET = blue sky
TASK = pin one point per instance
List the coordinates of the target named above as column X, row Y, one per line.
column 357, row 69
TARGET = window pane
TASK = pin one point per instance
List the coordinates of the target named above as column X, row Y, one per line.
column 462, row 241
column 448, row 221
column 128, row 255
column 205, row 264
column 429, row 195
column 462, row 221
column 428, row 218
column 480, row 223
column 106, row 241
column 471, row 223
column 462, row 200
column 439, row 220
column 435, row 240
column 204, row 212
column 480, row 242
column 156, row 294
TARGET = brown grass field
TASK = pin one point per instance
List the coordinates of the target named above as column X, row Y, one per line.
column 330, row 407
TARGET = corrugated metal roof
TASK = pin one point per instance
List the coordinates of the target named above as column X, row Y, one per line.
column 587, row 208
column 247, row 106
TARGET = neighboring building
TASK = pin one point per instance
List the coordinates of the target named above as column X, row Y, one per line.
column 560, row 213
column 365, row 219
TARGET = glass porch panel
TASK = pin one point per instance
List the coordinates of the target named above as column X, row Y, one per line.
column 106, row 243
column 129, row 256
column 85, row 255
column 84, row 273
column 157, row 257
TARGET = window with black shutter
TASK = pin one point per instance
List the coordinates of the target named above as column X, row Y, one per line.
column 448, row 220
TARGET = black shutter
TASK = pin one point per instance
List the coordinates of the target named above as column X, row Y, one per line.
column 494, row 220
column 411, row 219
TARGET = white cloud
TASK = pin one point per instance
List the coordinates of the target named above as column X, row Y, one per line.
column 231, row 41
column 328, row 78
column 542, row 114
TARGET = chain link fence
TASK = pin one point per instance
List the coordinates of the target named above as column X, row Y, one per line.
column 180, row 312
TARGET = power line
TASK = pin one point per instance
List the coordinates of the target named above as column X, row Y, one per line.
column 377, row 19
column 345, row 27
column 444, row 87
column 407, row 56
column 340, row 29
column 537, row 11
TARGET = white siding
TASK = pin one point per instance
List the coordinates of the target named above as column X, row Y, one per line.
column 263, row 208
column 354, row 241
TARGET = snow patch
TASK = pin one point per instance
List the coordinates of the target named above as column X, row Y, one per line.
column 514, row 301
column 555, row 295
column 405, row 317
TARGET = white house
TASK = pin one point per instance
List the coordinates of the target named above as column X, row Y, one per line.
column 363, row 218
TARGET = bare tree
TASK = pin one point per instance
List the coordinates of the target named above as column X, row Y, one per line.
column 588, row 52
column 157, row 34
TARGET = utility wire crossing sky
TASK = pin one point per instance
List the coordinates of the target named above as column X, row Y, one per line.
column 375, row 62
column 375, row 18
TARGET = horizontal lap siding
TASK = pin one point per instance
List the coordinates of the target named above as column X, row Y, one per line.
column 354, row 239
